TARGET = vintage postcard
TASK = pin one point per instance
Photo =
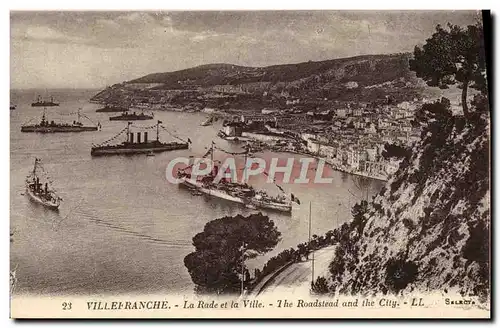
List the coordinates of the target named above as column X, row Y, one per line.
column 250, row 164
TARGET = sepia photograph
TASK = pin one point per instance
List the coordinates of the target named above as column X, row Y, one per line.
column 235, row 164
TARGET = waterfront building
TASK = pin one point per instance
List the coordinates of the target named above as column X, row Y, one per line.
column 233, row 129
column 257, row 117
column 354, row 156
column 357, row 112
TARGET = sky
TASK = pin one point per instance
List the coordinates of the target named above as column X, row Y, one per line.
column 69, row 49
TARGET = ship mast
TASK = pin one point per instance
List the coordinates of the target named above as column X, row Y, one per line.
column 128, row 130
column 43, row 115
column 245, row 169
column 158, row 131
column 212, row 153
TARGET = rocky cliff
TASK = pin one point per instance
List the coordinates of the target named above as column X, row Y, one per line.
column 428, row 229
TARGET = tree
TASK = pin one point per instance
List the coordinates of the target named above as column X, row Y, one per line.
column 302, row 250
column 221, row 249
column 399, row 273
column 320, row 286
column 453, row 56
column 395, row 151
column 358, row 212
column 330, row 237
column 440, row 111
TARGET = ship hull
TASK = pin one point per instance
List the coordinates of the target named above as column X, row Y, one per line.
column 44, row 104
column 49, row 204
column 273, row 206
column 224, row 136
column 211, row 192
column 111, row 110
column 287, row 208
column 140, row 118
column 118, row 150
column 231, row 138
column 48, row 129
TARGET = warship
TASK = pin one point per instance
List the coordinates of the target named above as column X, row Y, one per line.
column 131, row 117
column 240, row 193
column 39, row 193
column 111, row 109
column 138, row 146
column 52, row 127
column 44, row 103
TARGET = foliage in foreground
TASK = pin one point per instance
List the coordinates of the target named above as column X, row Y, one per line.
column 216, row 264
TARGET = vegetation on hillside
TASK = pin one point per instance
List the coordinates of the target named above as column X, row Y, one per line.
column 434, row 211
column 428, row 229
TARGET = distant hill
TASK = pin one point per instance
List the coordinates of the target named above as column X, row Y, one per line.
column 364, row 78
column 365, row 70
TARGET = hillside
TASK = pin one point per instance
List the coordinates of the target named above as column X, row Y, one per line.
column 428, row 229
column 360, row 69
column 361, row 78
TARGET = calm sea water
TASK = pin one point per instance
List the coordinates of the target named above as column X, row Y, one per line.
column 121, row 227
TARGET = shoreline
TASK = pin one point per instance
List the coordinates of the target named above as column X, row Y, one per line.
column 333, row 166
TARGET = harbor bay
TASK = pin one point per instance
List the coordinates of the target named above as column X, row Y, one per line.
column 122, row 227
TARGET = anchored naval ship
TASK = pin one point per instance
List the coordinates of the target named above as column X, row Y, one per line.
column 137, row 146
column 52, row 127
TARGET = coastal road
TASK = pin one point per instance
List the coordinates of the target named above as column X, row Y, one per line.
column 296, row 279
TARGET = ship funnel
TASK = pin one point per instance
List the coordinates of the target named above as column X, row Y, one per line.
column 138, row 137
column 131, row 137
column 145, row 137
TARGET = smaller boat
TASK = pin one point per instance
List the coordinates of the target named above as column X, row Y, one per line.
column 208, row 121
column 150, row 154
column 38, row 192
column 131, row 117
column 12, row 107
column 44, row 103
column 223, row 135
